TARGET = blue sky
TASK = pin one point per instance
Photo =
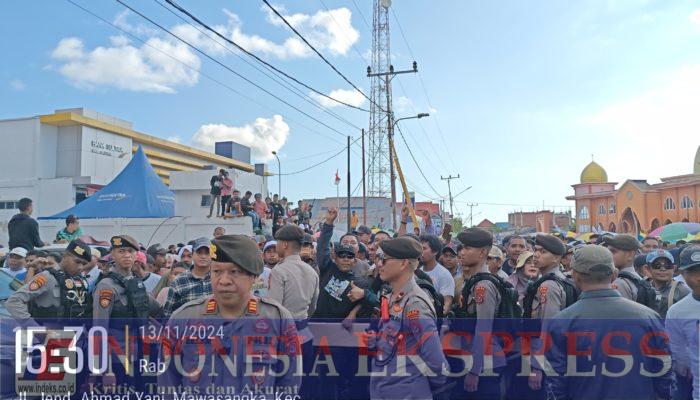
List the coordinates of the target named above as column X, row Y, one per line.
column 524, row 92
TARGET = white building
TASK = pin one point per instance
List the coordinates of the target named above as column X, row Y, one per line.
column 59, row 159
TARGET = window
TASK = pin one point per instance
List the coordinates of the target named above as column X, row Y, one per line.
column 583, row 228
column 8, row 205
column 601, row 209
column 686, row 202
column 669, row 204
column 206, row 200
column 613, row 208
column 583, row 214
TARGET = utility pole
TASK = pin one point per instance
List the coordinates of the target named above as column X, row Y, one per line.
column 364, row 182
column 388, row 76
column 471, row 212
column 449, row 189
column 349, row 212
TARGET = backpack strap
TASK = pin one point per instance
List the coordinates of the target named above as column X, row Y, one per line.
column 672, row 292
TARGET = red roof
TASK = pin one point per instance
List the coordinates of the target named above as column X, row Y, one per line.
column 485, row 224
column 432, row 208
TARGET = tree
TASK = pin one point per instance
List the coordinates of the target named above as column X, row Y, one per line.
column 457, row 224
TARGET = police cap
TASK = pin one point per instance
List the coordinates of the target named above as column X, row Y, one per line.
column 123, row 241
column 621, row 242
column 79, row 249
column 237, row 249
column 475, row 237
column 591, row 259
column 552, row 244
column 403, row 247
column 290, row 233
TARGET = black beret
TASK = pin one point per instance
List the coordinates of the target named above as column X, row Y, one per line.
column 156, row 249
column 552, row 244
column 622, row 242
column 123, row 241
column 290, row 233
column 80, row 250
column 238, row 249
column 475, row 237
column 362, row 229
column 403, row 247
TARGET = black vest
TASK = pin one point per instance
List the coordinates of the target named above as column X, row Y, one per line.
column 75, row 298
column 136, row 295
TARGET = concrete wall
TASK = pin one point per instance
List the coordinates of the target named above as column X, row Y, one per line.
column 150, row 230
column 20, row 161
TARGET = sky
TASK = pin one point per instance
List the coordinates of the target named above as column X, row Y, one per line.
column 521, row 95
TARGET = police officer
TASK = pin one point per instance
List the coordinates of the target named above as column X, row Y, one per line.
column 545, row 297
column 480, row 301
column 118, row 294
column 56, row 293
column 624, row 249
column 259, row 332
column 294, row 284
column 599, row 314
column 407, row 321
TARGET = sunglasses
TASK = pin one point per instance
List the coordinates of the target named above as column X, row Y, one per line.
column 345, row 256
column 661, row 265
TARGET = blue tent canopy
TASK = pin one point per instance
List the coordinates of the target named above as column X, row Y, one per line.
column 137, row 192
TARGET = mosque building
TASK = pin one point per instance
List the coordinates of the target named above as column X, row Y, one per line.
column 635, row 206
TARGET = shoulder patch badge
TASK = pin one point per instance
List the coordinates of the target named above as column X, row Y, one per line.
column 479, row 294
column 543, row 294
column 252, row 306
column 211, row 307
column 69, row 284
column 413, row 314
column 105, row 296
column 37, row 282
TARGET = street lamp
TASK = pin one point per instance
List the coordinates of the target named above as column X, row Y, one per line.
column 391, row 162
column 419, row 116
column 279, row 174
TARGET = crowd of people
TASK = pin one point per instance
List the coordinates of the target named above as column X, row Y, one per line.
column 511, row 306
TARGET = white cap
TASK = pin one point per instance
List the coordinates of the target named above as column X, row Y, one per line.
column 19, row 251
column 95, row 252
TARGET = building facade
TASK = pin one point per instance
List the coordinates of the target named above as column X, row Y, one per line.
column 635, row 206
column 540, row 221
column 61, row 158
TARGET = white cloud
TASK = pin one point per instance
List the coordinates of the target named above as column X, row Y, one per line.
column 126, row 67
column 174, row 139
column 120, row 20
column 695, row 17
column 646, row 122
column 432, row 110
column 330, row 29
column 403, row 104
column 17, row 85
column 263, row 136
column 352, row 97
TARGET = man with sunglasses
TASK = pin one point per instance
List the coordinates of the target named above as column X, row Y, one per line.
column 56, row 292
column 669, row 291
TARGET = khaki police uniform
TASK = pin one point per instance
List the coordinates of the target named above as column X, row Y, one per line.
column 410, row 323
column 263, row 341
column 626, row 287
column 255, row 353
column 670, row 294
column 550, row 297
column 111, row 299
column 43, row 296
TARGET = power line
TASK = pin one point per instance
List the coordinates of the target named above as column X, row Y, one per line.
column 228, row 68
column 346, row 38
column 416, row 162
column 361, row 14
column 292, row 89
column 425, row 91
column 207, row 27
column 222, row 84
column 318, row 163
column 318, row 53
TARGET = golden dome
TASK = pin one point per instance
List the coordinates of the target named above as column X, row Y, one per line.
column 594, row 173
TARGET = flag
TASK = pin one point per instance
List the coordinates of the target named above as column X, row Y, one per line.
column 337, row 178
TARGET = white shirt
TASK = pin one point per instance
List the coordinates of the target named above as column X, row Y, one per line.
column 682, row 327
column 151, row 282
column 92, row 277
column 262, row 284
column 442, row 279
column 15, row 272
